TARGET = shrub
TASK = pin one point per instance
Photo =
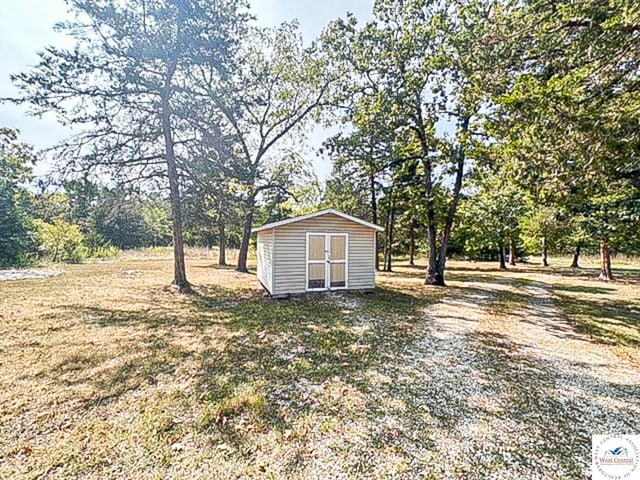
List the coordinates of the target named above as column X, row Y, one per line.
column 61, row 240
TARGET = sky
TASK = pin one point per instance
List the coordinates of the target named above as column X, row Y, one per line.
column 26, row 27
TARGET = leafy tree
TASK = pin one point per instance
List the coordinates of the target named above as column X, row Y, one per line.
column 125, row 219
column 492, row 216
column 82, row 196
column 614, row 219
column 349, row 191
column 276, row 92
column 362, row 162
column 123, row 84
column 570, row 110
column 16, row 159
column 59, row 239
column 49, row 205
column 422, row 63
column 156, row 214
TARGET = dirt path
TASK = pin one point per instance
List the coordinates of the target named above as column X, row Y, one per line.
column 508, row 395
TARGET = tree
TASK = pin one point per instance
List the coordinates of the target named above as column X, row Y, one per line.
column 613, row 218
column 275, row 93
column 361, row 161
column 492, row 216
column 119, row 218
column 123, row 83
column 60, row 239
column 16, row 158
column 416, row 65
column 156, row 213
column 542, row 228
column 570, row 111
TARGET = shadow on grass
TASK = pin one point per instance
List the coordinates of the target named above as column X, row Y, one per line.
column 259, row 363
column 535, row 393
column 215, row 266
column 582, row 289
column 604, row 321
column 260, row 360
column 610, row 324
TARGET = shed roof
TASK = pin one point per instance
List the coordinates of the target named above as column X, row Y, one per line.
column 327, row 211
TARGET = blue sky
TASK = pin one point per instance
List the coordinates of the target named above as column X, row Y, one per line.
column 26, row 26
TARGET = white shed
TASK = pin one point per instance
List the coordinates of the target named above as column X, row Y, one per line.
column 325, row 250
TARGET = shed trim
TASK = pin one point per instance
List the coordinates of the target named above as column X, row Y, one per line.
column 327, row 211
column 273, row 262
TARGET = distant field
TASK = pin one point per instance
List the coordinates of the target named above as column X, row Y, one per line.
column 104, row 373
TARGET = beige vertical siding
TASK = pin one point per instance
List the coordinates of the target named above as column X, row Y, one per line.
column 265, row 253
column 290, row 249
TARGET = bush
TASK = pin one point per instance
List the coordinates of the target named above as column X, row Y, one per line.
column 61, row 240
column 108, row 251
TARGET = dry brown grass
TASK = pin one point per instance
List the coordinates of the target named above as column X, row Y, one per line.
column 105, row 373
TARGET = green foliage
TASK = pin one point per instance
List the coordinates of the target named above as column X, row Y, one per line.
column 157, row 220
column 537, row 103
column 261, row 112
column 568, row 112
column 60, row 240
column 127, row 219
column 542, row 223
column 16, row 241
column 491, row 217
column 416, row 66
column 348, row 193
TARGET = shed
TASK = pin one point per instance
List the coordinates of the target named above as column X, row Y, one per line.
column 325, row 250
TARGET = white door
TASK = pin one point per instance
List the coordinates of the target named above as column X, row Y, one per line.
column 327, row 261
column 337, row 260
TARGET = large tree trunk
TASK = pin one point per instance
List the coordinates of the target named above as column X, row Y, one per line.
column 435, row 273
column 503, row 263
column 512, row 251
column 374, row 215
column 545, row 252
column 387, row 266
column 576, row 257
column 605, row 261
column 412, row 244
column 246, row 235
column 222, row 244
column 180, row 273
column 435, row 276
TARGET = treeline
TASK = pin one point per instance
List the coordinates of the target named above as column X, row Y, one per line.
column 471, row 128
column 482, row 127
column 71, row 220
column 74, row 220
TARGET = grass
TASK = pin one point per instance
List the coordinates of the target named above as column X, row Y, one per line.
column 105, row 373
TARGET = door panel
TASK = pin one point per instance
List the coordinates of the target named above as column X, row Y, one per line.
column 338, row 247
column 317, row 273
column 327, row 261
column 338, row 277
column 317, row 247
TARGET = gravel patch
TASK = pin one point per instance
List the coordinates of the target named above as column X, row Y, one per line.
column 477, row 395
column 27, row 274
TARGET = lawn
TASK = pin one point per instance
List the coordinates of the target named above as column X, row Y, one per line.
column 105, row 373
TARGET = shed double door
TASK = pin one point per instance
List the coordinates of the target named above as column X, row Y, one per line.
column 327, row 255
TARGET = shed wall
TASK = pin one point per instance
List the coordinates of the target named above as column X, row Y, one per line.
column 290, row 250
column 265, row 251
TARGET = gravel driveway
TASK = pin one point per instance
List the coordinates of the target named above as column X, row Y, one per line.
column 480, row 395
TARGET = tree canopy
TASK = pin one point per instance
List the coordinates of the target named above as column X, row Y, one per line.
column 481, row 129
